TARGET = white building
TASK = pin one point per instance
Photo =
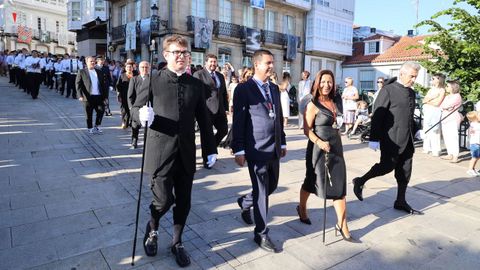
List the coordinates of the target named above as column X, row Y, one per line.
column 328, row 35
column 88, row 19
column 46, row 18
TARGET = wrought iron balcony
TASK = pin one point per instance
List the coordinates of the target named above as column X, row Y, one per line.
column 273, row 37
column 118, row 32
column 229, row 30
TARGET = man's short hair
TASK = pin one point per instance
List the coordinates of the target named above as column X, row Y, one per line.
column 209, row 56
column 410, row 65
column 177, row 39
column 258, row 55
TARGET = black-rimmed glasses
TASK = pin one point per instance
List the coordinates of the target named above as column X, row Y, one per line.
column 180, row 53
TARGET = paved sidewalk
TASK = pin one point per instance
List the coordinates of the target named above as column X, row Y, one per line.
column 68, row 199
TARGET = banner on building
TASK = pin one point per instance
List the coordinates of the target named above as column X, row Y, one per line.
column 145, row 31
column 260, row 4
column 253, row 41
column 131, row 36
column 24, row 34
column 203, row 33
column 292, row 43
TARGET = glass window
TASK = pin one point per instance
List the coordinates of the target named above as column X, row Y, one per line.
column 374, row 47
column 225, row 12
column 76, row 15
column 270, row 20
column 223, row 58
column 198, row 8
column 248, row 16
column 123, row 15
column 57, row 27
column 289, row 25
column 287, row 67
column 99, row 5
column 247, row 61
column 138, row 10
column 197, row 58
column 367, row 80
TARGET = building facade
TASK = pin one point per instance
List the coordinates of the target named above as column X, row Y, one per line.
column 228, row 27
column 46, row 21
column 88, row 19
column 328, row 35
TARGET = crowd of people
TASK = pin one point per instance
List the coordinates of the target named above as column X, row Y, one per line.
column 171, row 100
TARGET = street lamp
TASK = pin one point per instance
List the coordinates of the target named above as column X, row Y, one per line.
column 98, row 21
column 154, row 10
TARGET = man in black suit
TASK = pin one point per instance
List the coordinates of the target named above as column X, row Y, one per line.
column 92, row 92
column 258, row 138
column 107, row 78
column 392, row 130
column 217, row 101
column 137, row 97
column 178, row 99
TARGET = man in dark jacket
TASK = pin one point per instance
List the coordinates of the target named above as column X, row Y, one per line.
column 107, row 80
column 178, row 99
column 93, row 93
column 137, row 97
column 216, row 99
column 392, row 130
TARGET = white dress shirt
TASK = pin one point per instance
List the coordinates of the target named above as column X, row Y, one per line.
column 94, row 79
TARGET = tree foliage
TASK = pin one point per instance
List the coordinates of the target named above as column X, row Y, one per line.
column 455, row 48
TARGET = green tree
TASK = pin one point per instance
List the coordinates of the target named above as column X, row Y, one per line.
column 456, row 48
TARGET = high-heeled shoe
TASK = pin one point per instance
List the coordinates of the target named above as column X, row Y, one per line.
column 303, row 220
column 348, row 239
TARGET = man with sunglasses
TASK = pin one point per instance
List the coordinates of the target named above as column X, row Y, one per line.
column 177, row 99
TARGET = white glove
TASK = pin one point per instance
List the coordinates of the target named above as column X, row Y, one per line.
column 374, row 145
column 339, row 121
column 146, row 115
column 211, row 159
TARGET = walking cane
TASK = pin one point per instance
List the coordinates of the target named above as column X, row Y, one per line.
column 152, row 49
column 436, row 124
column 327, row 177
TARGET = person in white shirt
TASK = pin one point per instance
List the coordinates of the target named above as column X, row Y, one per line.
column 57, row 67
column 20, row 72
column 73, row 67
column 34, row 74
column 49, row 71
column 11, row 72
column 65, row 69
column 304, row 88
column 92, row 92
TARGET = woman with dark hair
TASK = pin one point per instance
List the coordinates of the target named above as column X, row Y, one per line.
column 122, row 90
column 324, row 137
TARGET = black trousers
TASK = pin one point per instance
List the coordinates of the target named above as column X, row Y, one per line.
column 71, row 85
column 95, row 103
column 33, row 80
column 264, row 177
column 124, row 110
column 63, row 81
column 219, row 121
column 389, row 161
column 21, row 81
column 49, row 79
column 172, row 187
column 11, row 73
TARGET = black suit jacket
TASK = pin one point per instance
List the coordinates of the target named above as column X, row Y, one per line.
column 177, row 102
column 392, row 119
column 84, row 84
column 210, row 87
column 254, row 131
column 137, row 97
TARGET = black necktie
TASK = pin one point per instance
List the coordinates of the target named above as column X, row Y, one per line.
column 267, row 93
column 214, row 79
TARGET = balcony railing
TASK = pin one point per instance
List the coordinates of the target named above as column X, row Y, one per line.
column 237, row 31
column 118, row 32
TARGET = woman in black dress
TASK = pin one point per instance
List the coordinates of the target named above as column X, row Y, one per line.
column 324, row 137
column 122, row 90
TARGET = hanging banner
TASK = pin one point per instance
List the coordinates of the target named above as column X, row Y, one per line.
column 131, row 36
column 291, row 53
column 253, row 42
column 203, row 33
column 24, row 34
column 145, row 31
column 260, row 4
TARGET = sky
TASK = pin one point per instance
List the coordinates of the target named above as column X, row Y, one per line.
column 400, row 15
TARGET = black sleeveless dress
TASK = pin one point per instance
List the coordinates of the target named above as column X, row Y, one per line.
column 336, row 186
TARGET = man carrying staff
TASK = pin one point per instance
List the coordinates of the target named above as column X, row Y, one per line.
column 177, row 99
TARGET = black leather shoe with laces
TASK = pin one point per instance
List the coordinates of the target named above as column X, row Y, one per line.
column 181, row 256
column 150, row 241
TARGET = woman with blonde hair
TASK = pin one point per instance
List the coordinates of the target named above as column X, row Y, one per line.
column 451, row 120
column 432, row 114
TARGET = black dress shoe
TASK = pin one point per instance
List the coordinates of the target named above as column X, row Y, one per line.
column 264, row 242
column 403, row 206
column 150, row 241
column 246, row 216
column 357, row 188
column 181, row 256
column 303, row 220
column 134, row 144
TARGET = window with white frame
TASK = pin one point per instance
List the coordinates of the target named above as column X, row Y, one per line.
column 76, row 12
column 331, row 65
column 248, row 16
column 247, row 61
column 225, row 11
column 287, row 67
column 199, row 8
column 138, row 10
column 270, row 20
column 197, row 58
column 223, row 58
column 367, row 79
column 288, row 24
column 99, row 5
column 373, row 47
column 123, row 15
